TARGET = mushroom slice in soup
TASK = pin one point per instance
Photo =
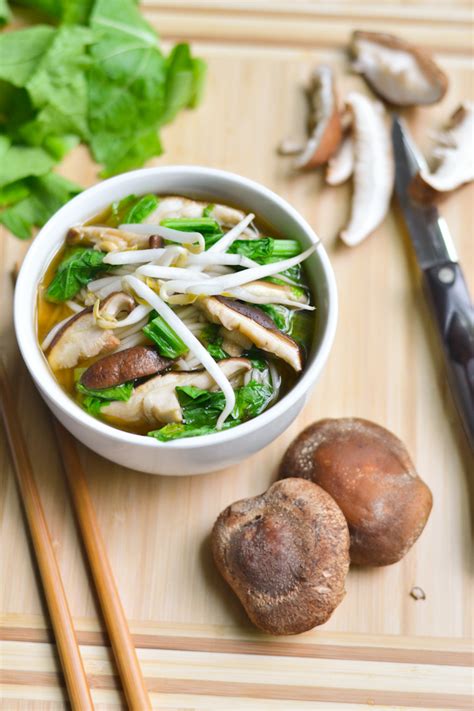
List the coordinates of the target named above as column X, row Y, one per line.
column 156, row 401
column 107, row 239
column 175, row 206
column 255, row 325
column 78, row 340
column 266, row 292
column 129, row 364
column 81, row 338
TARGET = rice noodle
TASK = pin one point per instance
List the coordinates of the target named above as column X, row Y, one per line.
column 133, row 256
column 97, row 284
column 276, row 381
column 167, row 233
column 190, row 340
column 224, row 243
column 131, row 330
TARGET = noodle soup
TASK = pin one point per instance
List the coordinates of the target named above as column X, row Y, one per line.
column 172, row 318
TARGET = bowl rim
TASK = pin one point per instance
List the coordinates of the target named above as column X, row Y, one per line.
column 25, row 329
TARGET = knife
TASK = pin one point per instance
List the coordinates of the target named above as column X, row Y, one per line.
column 443, row 279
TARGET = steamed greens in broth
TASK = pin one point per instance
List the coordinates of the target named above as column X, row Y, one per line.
column 175, row 318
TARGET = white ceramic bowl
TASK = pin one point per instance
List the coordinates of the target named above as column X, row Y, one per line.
column 199, row 454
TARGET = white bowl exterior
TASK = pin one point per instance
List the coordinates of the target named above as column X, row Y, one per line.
column 194, row 455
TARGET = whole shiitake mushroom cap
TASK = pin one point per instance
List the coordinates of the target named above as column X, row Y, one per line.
column 285, row 554
column 368, row 472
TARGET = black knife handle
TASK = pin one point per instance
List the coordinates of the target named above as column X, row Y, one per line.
column 454, row 313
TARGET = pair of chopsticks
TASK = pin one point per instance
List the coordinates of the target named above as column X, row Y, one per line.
column 122, row 645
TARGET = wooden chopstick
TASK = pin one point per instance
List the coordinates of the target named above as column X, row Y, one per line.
column 115, row 620
column 69, row 654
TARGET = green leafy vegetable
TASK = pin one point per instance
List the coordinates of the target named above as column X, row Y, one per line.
column 204, row 225
column 4, row 13
column 141, row 209
column 118, row 392
column 201, row 409
column 93, row 400
column 279, row 314
column 266, row 249
column 168, row 342
column 177, row 430
column 98, row 77
column 74, row 272
column 43, row 197
column 213, row 341
column 207, row 212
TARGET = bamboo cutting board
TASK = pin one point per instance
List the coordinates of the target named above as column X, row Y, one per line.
column 381, row 648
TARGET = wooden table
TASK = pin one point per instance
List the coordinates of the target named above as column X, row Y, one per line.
column 381, row 648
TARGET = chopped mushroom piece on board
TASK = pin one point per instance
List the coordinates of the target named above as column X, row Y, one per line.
column 325, row 121
column 78, row 340
column 396, row 70
column 341, row 165
column 374, row 168
column 156, row 401
column 454, row 157
column 255, row 325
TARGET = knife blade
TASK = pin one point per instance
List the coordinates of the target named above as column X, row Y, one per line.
column 444, row 281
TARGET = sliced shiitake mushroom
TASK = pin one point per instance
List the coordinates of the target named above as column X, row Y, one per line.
column 78, row 340
column 255, row 325
column 396, row 70
column 453, row 158
column 325, row 122
column 374, row 168
column 129, row 364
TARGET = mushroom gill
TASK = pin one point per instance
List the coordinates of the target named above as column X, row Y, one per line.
column 396, row 70
column 374, row 168
column 78, row 340
column 453, row 158
column 254, row 324
column 107, row 239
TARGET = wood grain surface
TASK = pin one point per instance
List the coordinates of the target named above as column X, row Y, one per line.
column 198, row 650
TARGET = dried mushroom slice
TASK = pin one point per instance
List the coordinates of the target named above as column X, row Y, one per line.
column 453, row 156
column 374, row 168
column 324, row 123
column 396, row 70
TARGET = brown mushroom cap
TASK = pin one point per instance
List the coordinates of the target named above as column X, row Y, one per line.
column 396, row 70
column 285, row 555
column 129, row 364
column 368, row 472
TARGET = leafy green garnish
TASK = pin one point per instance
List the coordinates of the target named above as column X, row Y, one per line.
column 207, row 211
column 213, row 341
column 168, row 342
column 204, row 225
column 279, row 314
column 74, row 272
column 201, row 409
column 94, row 399
column 266, row 249
column 141, row 209
column 98, row 77
column 43, row 197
